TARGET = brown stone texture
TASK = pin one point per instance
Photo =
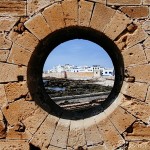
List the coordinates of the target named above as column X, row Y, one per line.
column 101, row 16
column 134, row 55
column 70, row 11
column 4, row 55
column 136, row 11
column 16, row 52
column 111, row 137
column 45, row 132
column 124, row 2
column 27, row 40
column 90, row 130
column 36, row 25
column 76, row 135
column 33, row 122
column 10, row 72
column 146, row 2
column 6, row 23
column 117, row 25
column 140, row 73
column 24, row 110
column 139, row 131
column 85, row 12
column 3, row 99
column 60, row 136
column 121, row 119
column 138, row 145
column 146, row 25
column 13, row 8
column 136, row 37
column 148, row 96
column 11, row 145
column 54, row 17
column 15, row 90
column 18, row 132
column 4, row 43
column 147, row 42
column 136, row 90
column 139, row 109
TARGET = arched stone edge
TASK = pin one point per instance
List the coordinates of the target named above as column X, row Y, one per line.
column 126, row 34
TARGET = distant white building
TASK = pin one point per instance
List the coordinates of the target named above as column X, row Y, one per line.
column 96, row 69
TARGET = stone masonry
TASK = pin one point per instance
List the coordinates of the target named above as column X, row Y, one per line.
column 125, row 124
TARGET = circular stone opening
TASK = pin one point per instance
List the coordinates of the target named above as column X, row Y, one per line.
column 46, row 46
column 78, row 74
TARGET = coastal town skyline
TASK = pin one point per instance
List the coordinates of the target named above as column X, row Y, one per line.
column 78, row 52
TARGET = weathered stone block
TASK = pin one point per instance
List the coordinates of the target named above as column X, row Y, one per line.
column 147, row 42
column 11, row 145
column 146, row 25
column 117, row 25
column 54, row 148
column 136, row 11
column 13, row 8
column 139, row 131
column 4, row 43
column 33, row 122
column 2, row 130
column 24, row 110
column 16, row 53
column 85, row 12
column 76, row 136
column 111, row 137
column 45, row 132
column 10, row 72
column 121, row 119
column 97, row 147
column 147, row 52
column 146, row 2
column 27, row 40
column 3, row 99
column 60, row 135
column 4, row 55
column 18, row 132
column 70, row 10
column 34, row 6
column 54, row 16
column 139, row 109
column 140, row 73
column 136, row 90
column 139, row 145
column 124, row 2
column 15, row 90
column 134, row 56
column 136, row 37
column 101, row 16
column 38, row 26
column 6, row 23
column 148, row 96
column 93, row 137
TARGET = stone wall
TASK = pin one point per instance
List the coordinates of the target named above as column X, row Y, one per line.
column 26, row 24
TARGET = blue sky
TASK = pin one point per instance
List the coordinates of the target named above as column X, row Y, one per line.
column 78, row 52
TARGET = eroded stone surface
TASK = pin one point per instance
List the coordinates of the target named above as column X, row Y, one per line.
column 76, row 135
column 24, row 110
column 54, row 16
column 36, row 25
column 45, row 132
column 60, row 136
column 70, row 10
column 3, row 99
column 15, row 90
column 101, row 16
column 85, row 12
column 139, row 145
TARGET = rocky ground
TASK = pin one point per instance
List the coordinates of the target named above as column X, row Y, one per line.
column 73, row 87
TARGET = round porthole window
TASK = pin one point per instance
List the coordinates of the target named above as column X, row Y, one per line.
column 76, row 71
